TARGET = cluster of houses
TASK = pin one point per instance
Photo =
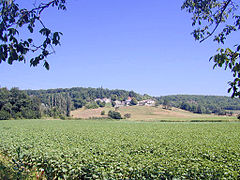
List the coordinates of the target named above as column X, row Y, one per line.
column 127, row 102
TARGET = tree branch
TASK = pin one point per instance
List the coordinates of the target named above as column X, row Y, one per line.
column 218, row 22
column 45, row 27
column 41, row 7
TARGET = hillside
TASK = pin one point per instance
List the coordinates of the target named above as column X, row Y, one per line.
column 202, row 104
column 145, row 113
column 78, row 97
column 59, row 103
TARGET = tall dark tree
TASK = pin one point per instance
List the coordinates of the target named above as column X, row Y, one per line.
column 185, row 106
column 166, row 104
column 4, row 96
column 69, row 106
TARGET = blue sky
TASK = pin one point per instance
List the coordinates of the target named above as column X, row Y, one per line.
column 140, row 45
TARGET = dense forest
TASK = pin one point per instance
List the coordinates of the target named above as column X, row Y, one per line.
column 82, row 96
column 202, row 104
column 17, row 104
column 58, row 103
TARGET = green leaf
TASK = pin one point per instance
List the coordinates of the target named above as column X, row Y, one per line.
column 238, row 48
column 30, row 40
column 56, row 38
column 46, row 65
column 30, row 28
column 45, row 31
column 64, row 170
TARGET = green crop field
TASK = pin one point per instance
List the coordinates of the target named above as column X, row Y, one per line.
column 121, row 149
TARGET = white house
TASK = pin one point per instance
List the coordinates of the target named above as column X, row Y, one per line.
column 127, row 102
column 119, row 103
column 107, row 100
column 147, row 102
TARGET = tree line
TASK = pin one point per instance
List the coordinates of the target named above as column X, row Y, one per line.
column 80, row 97
column 58, row 103
column 17, row 104
column 201, row 104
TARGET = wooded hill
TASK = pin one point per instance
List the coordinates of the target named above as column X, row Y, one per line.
column 56, row 103
column 85, row 97
column 87, row 94
column 60, row 102
column 80, row 97
column 201, row 104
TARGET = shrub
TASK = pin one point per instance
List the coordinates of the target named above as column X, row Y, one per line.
column 230, row 113
column 4, row 115
column 62, row 117
column 92, row 105
column 17, row 115
column 102, row 113
column 133, row 101
column 113, row 104
column 238, row 116
column 29, row 113
column 114, row 97
column 100, row 104
column 157, row 103
column 128, row 115
column 114, row 115
column 221, row 113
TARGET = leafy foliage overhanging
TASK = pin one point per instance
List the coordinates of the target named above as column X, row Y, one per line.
column 12, row 46
column 219, row 19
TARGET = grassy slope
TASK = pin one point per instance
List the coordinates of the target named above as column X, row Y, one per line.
column 144, row 113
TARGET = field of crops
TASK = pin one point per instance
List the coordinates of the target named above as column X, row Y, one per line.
column 123, row 150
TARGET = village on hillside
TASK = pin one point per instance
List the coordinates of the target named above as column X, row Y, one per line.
column 128, row 102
